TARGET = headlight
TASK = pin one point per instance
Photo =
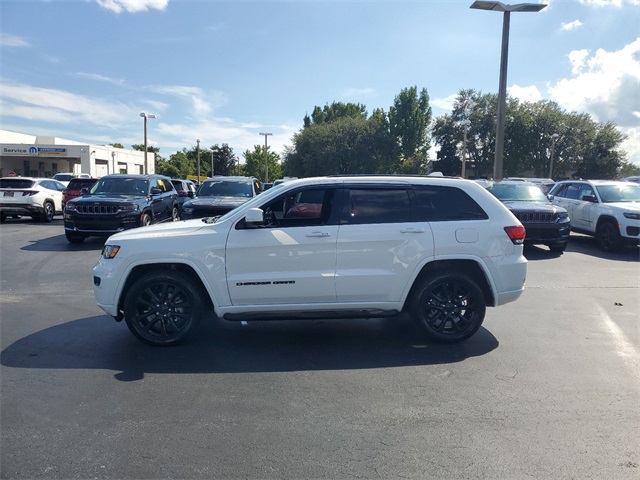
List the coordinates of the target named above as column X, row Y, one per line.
column 632, row 216
column 563, row 216
column 129, row 208
column 187, row 210
column 110, row 251
column 71, row 207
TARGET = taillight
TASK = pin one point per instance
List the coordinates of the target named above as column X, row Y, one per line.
column 516, row 234
column 29, row 193
column 182, row 193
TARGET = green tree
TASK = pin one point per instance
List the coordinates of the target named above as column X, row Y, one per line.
column 225, row 161
column 335, row 111
column 409, row 120
column 257, row 161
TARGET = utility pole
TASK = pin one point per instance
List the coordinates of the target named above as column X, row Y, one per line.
column 266, row 158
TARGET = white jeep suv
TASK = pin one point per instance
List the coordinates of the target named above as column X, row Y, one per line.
column 606, row 209
column 332, row 247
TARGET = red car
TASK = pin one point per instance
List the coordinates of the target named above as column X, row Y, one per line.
column 75, row 186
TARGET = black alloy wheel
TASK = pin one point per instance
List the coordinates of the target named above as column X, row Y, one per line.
column 608, row 237
column 449, row 307
column 163, row 308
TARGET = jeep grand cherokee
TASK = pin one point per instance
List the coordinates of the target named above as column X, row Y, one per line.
column 442, row 249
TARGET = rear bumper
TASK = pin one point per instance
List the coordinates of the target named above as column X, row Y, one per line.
column 20, row 209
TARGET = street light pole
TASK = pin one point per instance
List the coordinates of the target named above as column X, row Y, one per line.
column 554, row 138
column 198, row 155
column 146, row 147
column 502, row 86
column 266, row 159
column 465, row 124
column 213, row 150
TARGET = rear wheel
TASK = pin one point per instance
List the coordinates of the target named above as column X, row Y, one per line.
column 608, row 237
column 175, row 214
column 449, row 307
column 47, row 214
column 162, row 309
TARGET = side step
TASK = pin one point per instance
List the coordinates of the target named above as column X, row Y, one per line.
column 311, row 315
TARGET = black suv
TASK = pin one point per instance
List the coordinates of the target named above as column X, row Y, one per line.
column 119, row 202
column 219, row 195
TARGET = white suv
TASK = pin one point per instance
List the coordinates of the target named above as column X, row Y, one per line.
column 606, row 209
column 332, row 247
column 39, row 198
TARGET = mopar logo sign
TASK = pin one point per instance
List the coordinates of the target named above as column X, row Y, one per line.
column 33, row 150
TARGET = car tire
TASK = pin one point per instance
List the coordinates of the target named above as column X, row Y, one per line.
column 3, row 217
column 558, row 247
column 145, row 220
column 74, row 237
column 163, row 308
column 175, row 214
column 47, row 214
column 449, row 307
column 608, row 237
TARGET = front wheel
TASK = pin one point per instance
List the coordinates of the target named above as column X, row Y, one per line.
column 74, row 238
column 608, row 237
column 163, row 308
column 175, row 214
column 145, row 220
column 449, row 307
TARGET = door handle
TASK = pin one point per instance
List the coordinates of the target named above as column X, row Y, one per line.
column 318, row 234
column 412, row 230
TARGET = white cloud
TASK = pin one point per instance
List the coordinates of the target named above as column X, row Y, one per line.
column 571, row 25
column 525, row 94
column 446, row 103
column 133, row 6
column 605, row 85
column 359, row 92
column 8, row 40
column 602, row 3
column 101, row 78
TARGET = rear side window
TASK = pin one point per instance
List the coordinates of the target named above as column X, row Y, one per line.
column 375, row 205
column 440, row 204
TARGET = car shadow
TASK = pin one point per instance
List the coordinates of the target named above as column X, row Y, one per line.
column 583, row 245
column 59, row 243
column 231, row 347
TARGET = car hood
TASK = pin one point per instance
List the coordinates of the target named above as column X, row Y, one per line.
column 629, row 206
column 172, row 229
column 218, row 201
column 542, row 207
column 103, row 199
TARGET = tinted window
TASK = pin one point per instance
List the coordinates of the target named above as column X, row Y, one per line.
column 16, row 183
column 300, row 208
column 447, row 203
column 571, row 191
column 376, row 205
column 224, row 188
column 79, row 183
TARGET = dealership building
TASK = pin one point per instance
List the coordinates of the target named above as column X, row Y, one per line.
column 43, row 156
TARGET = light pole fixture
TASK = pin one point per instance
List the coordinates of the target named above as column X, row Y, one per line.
column 216, row 150
column 198, row 155
column 465, row 124
column 502, row 87
column 146, row 147
column 554, row 139
column 266, row 158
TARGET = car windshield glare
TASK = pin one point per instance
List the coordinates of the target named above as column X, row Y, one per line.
column 619, row 193
column 225, row 189
column 16, row 183
column 518, row 193
column 121, row 186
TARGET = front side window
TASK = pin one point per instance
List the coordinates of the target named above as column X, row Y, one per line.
column 305, row 207
column 376, row 205
column 440, row 204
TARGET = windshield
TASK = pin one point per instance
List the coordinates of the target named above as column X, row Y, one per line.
column 121, row 186
column 619, row 193
column 225, row 189
column 16, row 183
column 64, row 177
column 518, row 193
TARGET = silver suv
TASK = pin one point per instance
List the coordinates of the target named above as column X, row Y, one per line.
column 331, row 247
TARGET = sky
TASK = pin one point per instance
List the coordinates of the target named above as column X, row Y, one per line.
column 228, row 71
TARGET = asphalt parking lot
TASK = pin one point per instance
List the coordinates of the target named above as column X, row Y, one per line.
column 548, row 388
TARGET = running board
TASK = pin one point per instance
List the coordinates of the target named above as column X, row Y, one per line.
column 311, row 315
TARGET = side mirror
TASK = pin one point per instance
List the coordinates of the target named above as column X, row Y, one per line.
column 590, row 198
column 254, row 217
column 156, row 191
column 550, row 197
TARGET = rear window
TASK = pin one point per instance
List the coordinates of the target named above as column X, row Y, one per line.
column 79, row 183
column 16, row 183
column 447, row 204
